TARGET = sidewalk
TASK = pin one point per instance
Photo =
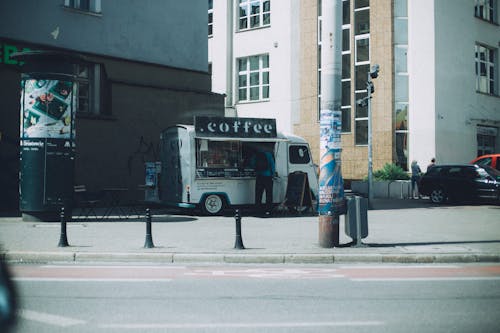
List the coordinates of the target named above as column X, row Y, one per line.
column 400, row 231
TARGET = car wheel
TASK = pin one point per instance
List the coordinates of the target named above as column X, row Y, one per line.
column 438, row 195
column 213, row 204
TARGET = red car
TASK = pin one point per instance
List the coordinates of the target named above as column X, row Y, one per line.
column 491, row 160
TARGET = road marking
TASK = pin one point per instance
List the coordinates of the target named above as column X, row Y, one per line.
column 427, row 279
column 48, row 318
column 400, row 266
column 242, row 325
column 69, row 266
column 48, row 279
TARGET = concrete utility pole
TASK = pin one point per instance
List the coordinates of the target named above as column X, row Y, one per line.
column 331, row 185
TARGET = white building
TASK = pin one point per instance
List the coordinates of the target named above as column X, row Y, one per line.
column 454, row 74
column 253, row 52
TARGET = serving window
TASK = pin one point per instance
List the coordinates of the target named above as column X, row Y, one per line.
column 217, row 154
column 230, row 158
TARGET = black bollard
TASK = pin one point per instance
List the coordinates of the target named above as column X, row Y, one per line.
column 149, row 237
column 63, row 239
column 238, row 244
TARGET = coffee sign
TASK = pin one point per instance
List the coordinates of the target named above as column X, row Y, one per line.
column 235, row 127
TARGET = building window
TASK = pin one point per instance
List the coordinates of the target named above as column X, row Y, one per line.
column 254, row 14
column 486, row 10
column 401, row 79
column 361, row 17
column 362, row 49
column 361, row 68
column 401, row 126
column 486, row 138
column 320, row 26
column 84, row 5
column 485, row 69
column 346, row 67
column 89, row 87
column 210, row 18
column 253, row 78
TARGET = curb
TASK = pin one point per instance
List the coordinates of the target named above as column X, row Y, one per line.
column 245, row 258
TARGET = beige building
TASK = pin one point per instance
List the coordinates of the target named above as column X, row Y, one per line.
column 367, row 43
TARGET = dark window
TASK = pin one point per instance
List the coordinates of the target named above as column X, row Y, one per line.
column 299, row 154
column 361, row 132
column 346, row 66
column 346, row 93
column 361, row 22
column 346, row 40
column 361, row 76
column 346, row 12
column 361, row 3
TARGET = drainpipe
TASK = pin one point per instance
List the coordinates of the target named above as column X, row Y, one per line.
column 229, row 105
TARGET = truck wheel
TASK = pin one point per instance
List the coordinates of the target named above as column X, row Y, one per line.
column 438, row 195
column 213, row 204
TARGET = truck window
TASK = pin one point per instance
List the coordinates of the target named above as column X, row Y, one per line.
column 299, row 154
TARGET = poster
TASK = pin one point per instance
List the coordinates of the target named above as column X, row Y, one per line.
column 46, row 109
column 331, row 184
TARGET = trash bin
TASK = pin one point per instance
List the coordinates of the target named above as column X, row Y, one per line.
column 356, row 218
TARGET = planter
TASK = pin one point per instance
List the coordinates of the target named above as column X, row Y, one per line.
column 385, row 189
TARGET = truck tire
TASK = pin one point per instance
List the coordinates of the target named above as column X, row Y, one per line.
column 213, row 204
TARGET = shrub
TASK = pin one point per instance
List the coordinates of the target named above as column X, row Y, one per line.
column 390, row 172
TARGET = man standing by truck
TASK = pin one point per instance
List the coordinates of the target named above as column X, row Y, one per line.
column 264, row 171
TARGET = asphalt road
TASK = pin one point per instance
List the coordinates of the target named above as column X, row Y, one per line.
column 243, row 298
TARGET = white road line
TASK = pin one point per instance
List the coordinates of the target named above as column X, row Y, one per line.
column 113, row 266
column 48, row 279
column 399, row 266
column 427, row 279
column 242, row 325
column 48, row 318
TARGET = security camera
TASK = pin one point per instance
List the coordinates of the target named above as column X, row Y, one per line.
column 362, row 102
column 374, row 71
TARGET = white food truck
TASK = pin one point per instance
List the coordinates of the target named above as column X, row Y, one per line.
column 207, row 165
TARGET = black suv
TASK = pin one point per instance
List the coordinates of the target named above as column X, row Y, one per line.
column 461, row 182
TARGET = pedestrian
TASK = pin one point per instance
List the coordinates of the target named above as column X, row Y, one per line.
column 432, row 164
column 415, row 177
column 264, row 165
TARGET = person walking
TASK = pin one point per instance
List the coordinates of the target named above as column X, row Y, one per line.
column 415, row 177
column 264, row 171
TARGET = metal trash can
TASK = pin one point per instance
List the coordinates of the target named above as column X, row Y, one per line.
column 356, row 218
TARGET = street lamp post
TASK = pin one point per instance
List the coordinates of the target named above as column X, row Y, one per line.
column 367, row 101
column 373, row 74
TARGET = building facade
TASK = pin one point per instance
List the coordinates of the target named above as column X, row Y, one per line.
column 139, row 76
column 252, row 54
column 436, row 94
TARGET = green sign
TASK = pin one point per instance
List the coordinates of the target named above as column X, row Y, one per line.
column 6, row 50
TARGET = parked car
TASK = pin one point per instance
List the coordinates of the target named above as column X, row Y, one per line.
column 491, row 160
column 461, row 182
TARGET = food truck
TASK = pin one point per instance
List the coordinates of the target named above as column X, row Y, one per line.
column 207, row 165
